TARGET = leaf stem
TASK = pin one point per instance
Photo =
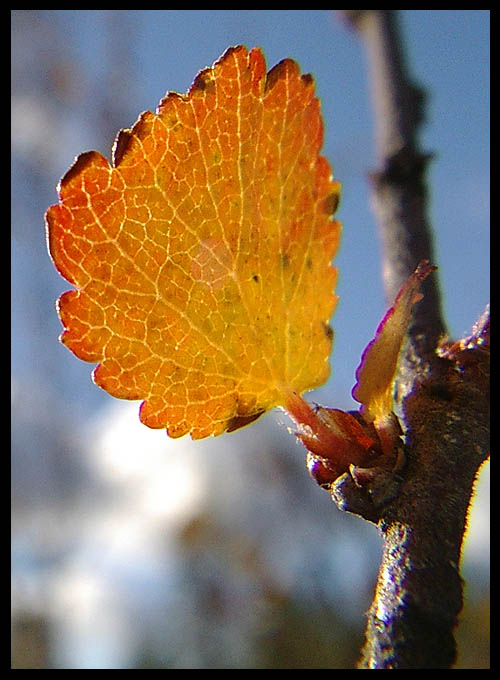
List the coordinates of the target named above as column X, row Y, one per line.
column 316, row 433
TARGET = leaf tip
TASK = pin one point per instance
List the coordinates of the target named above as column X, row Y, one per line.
column 378, row 369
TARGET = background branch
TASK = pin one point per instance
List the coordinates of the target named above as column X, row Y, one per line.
column 399, row 193
column 442, row 392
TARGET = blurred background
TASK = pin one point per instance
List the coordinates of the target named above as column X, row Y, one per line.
column 130, row 550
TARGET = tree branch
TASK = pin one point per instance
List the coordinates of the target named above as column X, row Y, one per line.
column 442, row 395
column 399, row 192
column 419, row 590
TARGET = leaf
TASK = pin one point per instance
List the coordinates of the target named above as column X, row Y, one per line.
column 201, row 257
column 377, row 371
column 367, row 442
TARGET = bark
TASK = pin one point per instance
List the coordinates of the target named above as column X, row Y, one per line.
column 442, row 395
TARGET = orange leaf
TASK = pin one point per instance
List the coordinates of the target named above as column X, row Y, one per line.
column 201, row 257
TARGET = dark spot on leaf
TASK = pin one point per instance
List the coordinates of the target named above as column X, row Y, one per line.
column 255, row 277
column 327, row 330
column 285, row 260
column 121, row 144
column 331, row 203
column 240, row 421
column 81, row 162
column 204, row 82
column 307, row 79
column 276, row 73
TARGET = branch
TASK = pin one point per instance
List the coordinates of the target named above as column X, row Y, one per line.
column 419, row 590
column 399, row 192
column 442, row 396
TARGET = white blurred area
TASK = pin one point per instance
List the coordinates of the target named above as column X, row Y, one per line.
column 182, row 551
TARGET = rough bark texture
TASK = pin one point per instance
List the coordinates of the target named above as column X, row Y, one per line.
column 442, row 397
column 419, row 590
